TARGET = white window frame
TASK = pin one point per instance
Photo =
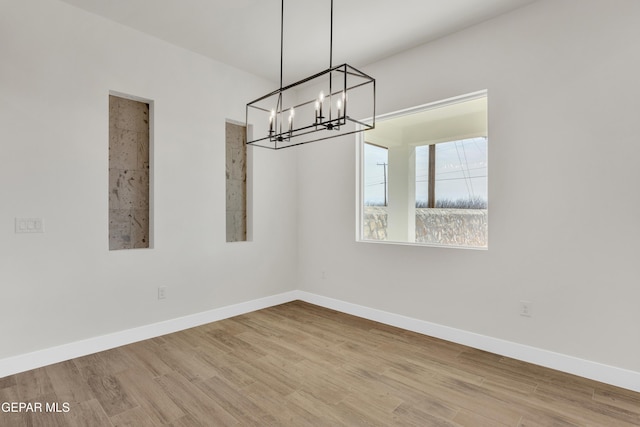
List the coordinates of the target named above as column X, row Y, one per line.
column 359, row 167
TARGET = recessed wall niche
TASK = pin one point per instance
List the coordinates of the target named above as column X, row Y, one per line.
column 128, row 173
column 236, row 182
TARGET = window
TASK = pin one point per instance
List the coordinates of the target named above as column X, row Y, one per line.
column 424, row 174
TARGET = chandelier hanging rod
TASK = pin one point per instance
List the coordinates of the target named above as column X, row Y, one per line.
column 282, row 46
column 331, row 38
column 282, row 40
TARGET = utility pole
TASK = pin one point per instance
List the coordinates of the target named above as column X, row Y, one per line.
column 385, row 181
column 431, row 199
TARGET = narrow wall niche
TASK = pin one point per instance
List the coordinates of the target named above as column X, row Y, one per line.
column 236, row 182
column 128, row 174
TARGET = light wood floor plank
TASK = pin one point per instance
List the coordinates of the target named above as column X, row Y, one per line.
column 17, row 419
column 34, row 384
column 301, row 365
column 87, row 414
column 7, row 382
column 418, row 416
column 193, row 401
column 136, row 417
column 54, row 420
column 279, row 407
column 145, row 354
column 472, row 419
column 67, row 382
column 619, row 398
column 233, row 400
column 157, row 406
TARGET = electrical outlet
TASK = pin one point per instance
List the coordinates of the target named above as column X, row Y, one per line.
column 29, row 225
column 324, row 275
column 162, row 292
column 526, row 308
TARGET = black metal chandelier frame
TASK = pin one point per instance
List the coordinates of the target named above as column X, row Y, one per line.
column 281, row 134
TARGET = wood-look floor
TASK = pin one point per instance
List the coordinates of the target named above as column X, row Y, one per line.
column 297, row 364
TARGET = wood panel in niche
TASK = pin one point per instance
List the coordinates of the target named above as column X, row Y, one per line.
column 236, row 182
column 128, row 173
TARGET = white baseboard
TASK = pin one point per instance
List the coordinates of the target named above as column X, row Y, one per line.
column 37, row 359
column 584, row 368
column 596, row 371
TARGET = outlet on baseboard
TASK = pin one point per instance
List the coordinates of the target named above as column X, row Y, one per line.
column 162, row 292
column 526, row 308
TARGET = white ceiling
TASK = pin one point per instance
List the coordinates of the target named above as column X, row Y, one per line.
column 246, row 33
column 432, row 124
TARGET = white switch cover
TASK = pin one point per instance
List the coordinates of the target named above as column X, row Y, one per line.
column 29, row 225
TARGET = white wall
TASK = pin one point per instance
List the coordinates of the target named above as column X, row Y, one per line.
column 564, row 120
column 58, row 65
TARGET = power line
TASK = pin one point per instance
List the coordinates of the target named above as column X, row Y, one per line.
column 458, row 171
column 460, row 161
column 454, row 179
column 466, row 162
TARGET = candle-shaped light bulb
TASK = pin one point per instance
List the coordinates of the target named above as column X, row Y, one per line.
column 320, row 102
column 271, row 117
column 317, row 110
column 291, row 114
column 339, row 104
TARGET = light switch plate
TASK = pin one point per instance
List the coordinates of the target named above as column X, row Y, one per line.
column 29, row 225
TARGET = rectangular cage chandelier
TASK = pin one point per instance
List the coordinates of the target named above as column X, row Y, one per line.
column 335, row 102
